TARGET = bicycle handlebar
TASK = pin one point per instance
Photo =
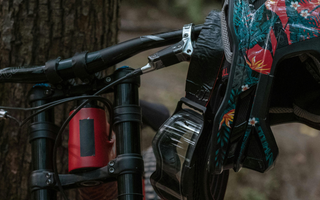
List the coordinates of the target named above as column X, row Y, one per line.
column 95, row 61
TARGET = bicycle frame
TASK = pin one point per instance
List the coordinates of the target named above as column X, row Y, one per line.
column 127, row 168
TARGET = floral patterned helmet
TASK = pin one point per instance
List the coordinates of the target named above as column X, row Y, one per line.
column 272, row 75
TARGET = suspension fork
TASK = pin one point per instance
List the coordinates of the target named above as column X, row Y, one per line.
column 42, row 133
column 127, row 126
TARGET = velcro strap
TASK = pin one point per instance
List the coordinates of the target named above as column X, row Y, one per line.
column 79, row 65
column 51, row 71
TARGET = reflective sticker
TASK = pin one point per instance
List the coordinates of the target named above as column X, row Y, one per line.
column 152, row 37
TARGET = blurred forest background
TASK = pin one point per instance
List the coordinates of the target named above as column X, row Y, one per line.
column 296, row 175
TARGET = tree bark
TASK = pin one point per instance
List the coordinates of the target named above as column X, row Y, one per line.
column 31, row 33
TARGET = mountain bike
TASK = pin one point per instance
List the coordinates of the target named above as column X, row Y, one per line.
column 91, row 138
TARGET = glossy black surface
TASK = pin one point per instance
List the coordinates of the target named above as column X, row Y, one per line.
column 128, row 137
column 42, row 149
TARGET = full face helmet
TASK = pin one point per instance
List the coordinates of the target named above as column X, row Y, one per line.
column 271, row 74
column 180, row 145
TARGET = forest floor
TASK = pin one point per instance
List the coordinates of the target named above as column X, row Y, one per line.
column 296, row 175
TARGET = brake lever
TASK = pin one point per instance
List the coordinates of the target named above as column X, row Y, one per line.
column 174, row 54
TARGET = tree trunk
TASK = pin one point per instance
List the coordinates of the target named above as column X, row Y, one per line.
column 31, row 33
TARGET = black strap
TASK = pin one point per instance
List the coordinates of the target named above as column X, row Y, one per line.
column 51, row 71
column 79, row 65
column 205, row 62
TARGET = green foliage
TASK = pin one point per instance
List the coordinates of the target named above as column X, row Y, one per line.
column 195, row 8
column 252, row 194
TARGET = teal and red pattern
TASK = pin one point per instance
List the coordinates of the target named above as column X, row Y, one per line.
column 259, row 33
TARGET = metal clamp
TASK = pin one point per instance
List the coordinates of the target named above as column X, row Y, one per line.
column 123, row 164
column 126, row 164
column 3, row 114
column 174, row 54
column 41, row 179
column 187, row 40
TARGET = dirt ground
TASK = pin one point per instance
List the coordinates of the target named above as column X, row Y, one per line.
column 296, row 175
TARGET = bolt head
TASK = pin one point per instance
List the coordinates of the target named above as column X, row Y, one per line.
column 47, row 92
column 111, row 163
column 49, row 181
column 111, row 170
column 108, row 79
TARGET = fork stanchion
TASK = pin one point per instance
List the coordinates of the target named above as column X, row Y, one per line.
column 127, row 126
column 42, row 132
